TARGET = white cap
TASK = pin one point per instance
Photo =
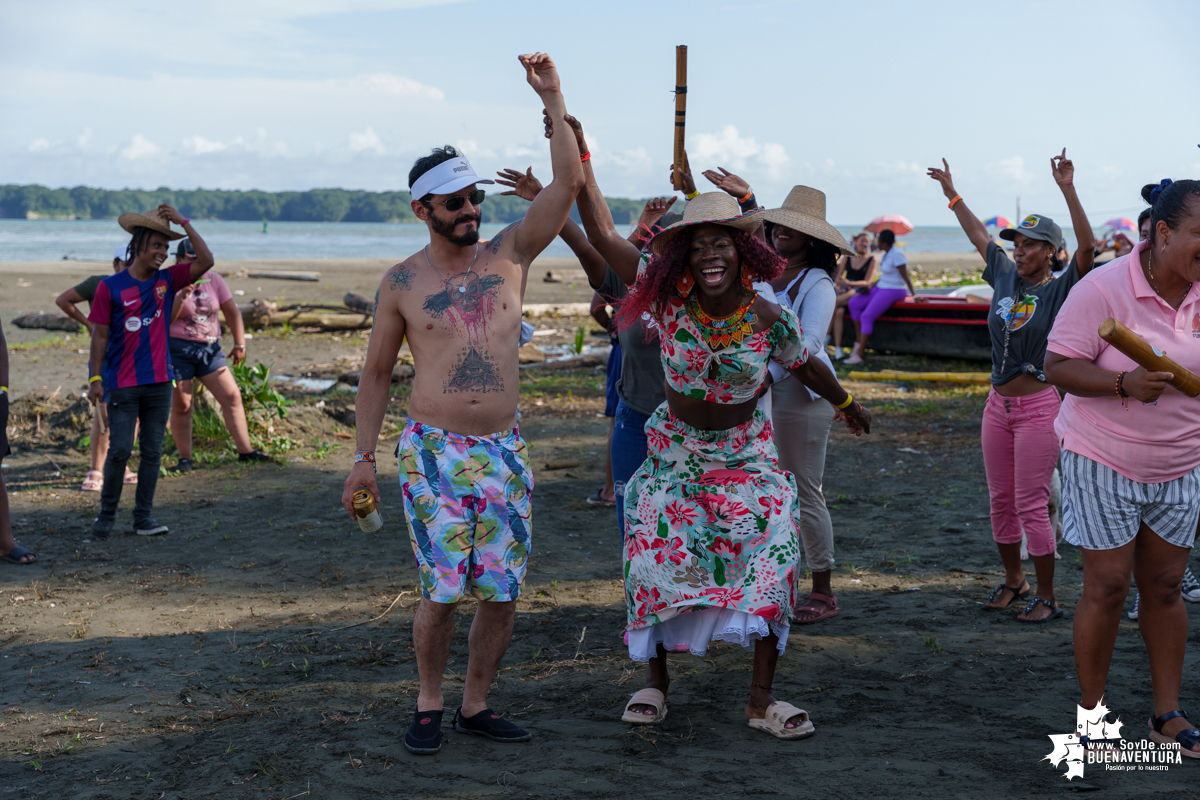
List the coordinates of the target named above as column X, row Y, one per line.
column 122, row 253
column 445, row 178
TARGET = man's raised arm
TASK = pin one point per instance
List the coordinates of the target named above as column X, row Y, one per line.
column 550, row 208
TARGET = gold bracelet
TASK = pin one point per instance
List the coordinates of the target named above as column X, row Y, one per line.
column 95, row 378
column 849, row 400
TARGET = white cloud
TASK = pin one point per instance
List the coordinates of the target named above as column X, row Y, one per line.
column 38, row 145
column 200, row 146
column 1011, row 168
column 367, row 140
column 84, row 139
column 736, row 152
column 397, row 86
column 140, row 147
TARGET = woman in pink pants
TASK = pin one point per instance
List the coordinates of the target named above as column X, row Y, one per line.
column 1020, row 448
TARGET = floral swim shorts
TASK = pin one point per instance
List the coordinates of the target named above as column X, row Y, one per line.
column 467, row 505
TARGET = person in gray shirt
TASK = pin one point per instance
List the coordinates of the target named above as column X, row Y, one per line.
column 1020, row 448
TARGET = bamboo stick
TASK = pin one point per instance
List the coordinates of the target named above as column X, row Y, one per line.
column 680, row 113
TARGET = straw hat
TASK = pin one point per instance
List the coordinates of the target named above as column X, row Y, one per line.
column 150, row 220
column 804, row 211
column 715, row 207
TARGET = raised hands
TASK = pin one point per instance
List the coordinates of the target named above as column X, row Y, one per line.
column 575, row 125
column 540, row 72
column 727, row 182
column 522, row 184
column 1063, row 169
column 654, row 210
column 685, row 174
column 942, row 176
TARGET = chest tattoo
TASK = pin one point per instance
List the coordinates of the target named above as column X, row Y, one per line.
column 466, row 300
column 474, row 372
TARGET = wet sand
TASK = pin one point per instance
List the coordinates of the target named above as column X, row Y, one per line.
column 216, row 661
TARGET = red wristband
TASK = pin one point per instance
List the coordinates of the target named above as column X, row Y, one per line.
column 185, row 223
column 586, row 156
column 742, row 200
column 956, row 198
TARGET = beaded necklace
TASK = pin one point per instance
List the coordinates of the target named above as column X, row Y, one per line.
column 722, row 332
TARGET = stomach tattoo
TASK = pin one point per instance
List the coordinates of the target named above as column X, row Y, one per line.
column 474, row 372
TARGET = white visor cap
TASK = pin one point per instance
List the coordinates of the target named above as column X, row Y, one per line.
column 122, row 253
column 445, row 178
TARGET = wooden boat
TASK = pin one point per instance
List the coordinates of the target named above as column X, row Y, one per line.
column 937, row 325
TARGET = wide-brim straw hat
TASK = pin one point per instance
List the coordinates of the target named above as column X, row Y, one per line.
column 718, row 208
column 804, row 211
column 151, row 220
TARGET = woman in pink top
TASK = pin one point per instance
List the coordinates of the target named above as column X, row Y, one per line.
column 1131, row 466
column 196, row 355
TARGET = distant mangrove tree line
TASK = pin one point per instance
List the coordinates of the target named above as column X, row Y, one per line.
column 315, row 205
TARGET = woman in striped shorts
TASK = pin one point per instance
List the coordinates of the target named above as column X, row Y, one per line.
column 1131, row 463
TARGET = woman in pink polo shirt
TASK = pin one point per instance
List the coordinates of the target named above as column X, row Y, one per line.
column 1131, row 460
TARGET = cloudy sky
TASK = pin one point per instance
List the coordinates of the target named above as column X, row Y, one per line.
column 855, row 98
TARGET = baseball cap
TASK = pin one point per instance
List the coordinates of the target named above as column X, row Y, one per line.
column 122, row 253
column 1035, row 226
column 447, row 177
column 184, row 248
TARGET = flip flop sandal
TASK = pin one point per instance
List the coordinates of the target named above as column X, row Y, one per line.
column 424, row 736
column 831, row 609
column 93, row 481
column 488, row 724
column 15, row 555
column 1017, row 595
column 597, row 500
column 646, row 697
column 1186, row 738
column 1055, row 611
column 775, row 722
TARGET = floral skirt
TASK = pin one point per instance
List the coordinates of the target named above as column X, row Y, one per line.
column 710, row 528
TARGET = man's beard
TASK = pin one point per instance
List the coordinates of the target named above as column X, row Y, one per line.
column 446, row 230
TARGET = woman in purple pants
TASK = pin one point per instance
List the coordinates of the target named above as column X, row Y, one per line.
column 894, row 284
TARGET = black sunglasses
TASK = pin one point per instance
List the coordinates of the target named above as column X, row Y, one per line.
column 458, row 201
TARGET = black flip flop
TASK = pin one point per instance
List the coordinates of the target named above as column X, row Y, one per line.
column 487, row 723
column 15, row 555
column 424, row 736
column 1055, row 611
column 1017, row 594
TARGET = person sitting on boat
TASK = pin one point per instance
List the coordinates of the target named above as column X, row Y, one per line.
column 894, row 285
column 854, row 276
column 1020, row 448
column 711, row 549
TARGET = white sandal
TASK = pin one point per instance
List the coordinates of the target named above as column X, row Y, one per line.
column 93, row 484
column 775, row 722
column 646, row 697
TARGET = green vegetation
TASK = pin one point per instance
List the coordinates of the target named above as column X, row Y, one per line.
column 315, row 205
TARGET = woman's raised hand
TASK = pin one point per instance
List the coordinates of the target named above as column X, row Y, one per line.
column 1063, row 169
column 522, row 184
column 727, row 182
column 655, row 209
column 540, row 72
column 942, row 176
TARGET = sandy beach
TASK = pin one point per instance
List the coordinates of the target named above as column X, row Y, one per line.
column 226, row 659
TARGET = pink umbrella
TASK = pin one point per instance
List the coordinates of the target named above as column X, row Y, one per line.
column 1120, row 224
column 893, row 222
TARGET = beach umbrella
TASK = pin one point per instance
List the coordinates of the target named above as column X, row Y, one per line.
column 1120, row 224
column 997, row 222
column 893, row 222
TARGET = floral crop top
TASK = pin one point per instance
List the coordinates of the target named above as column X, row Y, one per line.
column 729, row 376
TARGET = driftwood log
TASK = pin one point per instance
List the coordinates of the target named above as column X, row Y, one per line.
column 261, row 314
column 283, row 275
column 49, row 322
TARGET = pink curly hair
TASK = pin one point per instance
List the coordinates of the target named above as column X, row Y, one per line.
column 657, row 286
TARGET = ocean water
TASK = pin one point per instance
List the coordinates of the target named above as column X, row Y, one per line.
column 96, row 240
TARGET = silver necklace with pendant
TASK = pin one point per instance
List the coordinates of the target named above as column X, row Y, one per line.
column 463, row 288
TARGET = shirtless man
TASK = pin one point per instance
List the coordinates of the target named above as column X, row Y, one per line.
column 464, row 469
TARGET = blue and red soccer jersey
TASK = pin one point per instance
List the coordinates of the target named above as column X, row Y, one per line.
column 138, row 316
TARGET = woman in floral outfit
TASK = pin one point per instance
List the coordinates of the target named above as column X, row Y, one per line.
column 711, row 538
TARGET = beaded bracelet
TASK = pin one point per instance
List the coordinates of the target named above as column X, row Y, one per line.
column 366, row 455
column 1120, row 389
